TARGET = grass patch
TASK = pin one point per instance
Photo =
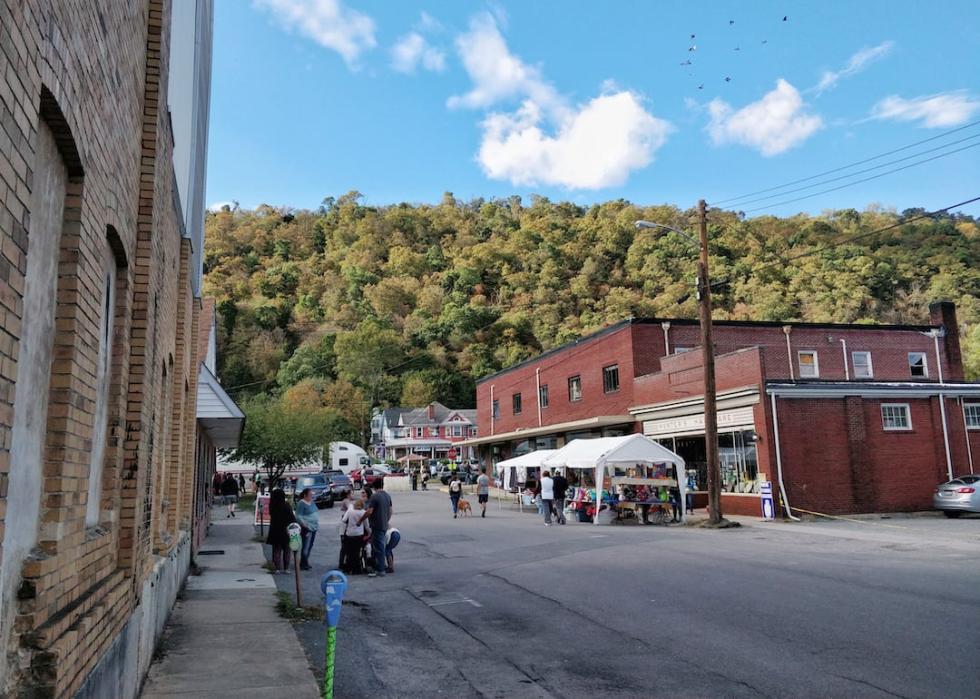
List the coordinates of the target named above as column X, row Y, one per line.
column 246, row 502
column 288, row 610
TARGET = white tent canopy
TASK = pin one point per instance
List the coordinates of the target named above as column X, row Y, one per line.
column 533, row 459
column 604, row 452
column 520, row 464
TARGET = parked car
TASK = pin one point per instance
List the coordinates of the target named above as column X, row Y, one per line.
column 360, row 476
column 321, row 486
column 340, row 484
column 957, row 496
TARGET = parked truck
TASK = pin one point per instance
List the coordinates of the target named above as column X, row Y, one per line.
column 345, row 456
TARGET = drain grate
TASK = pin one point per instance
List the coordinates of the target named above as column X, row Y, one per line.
column 211, row 552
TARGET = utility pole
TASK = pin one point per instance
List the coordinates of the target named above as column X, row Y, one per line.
column 708, row 360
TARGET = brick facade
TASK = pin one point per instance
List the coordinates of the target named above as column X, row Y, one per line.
column 835, row 453
column 94, row 75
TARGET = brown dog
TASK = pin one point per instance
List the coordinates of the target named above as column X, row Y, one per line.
column 464, row 508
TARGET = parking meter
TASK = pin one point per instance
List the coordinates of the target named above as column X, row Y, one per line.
column 295, row 539
column 333, row 585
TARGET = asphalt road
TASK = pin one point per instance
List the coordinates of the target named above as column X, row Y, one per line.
column 506, row 607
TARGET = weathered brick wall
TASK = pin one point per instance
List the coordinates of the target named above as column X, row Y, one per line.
column 95, row 73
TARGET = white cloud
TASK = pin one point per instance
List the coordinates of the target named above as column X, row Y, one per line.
column 858, row 62
column 412, row 51
column 598, row 145
column 774, row 124
column 496, row 73
column 547, row 141
column 931, row 111
column 219, row 205
column 328, row 22
column 429, row 23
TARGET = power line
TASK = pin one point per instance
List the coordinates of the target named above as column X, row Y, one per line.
column 861, row 172
column 844, row 167
column 866, row 179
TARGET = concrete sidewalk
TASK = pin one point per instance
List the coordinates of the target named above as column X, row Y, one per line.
column 224, row 638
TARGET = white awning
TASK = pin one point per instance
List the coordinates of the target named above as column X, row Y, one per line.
column 217, row 414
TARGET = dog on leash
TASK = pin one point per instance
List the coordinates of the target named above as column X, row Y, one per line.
column 464, row 508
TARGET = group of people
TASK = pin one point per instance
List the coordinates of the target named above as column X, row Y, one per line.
column 364, row 522
column 229, row 487
column 550, row 493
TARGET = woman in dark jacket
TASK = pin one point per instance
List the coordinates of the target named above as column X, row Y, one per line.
column 280, row 516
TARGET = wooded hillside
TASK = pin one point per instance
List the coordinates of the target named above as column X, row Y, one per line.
column 357, row 305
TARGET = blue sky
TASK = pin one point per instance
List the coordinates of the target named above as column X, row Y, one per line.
column 592, row 101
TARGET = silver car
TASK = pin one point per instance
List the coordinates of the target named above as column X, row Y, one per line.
column 958, row 496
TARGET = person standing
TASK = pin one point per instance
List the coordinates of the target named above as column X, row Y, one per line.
column 455, row 492
column 560, row 487
column 216, row 484
column 229, row 489
column 352, row 537
column 391, row 541
column 483, row 490
column 280, row 516
column 378, row 514
column 547, row 496
column 308, row 516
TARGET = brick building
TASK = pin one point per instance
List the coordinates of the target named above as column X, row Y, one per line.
column 850, row 418
column 103, row 135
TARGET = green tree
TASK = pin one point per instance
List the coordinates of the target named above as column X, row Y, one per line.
column 278, row 437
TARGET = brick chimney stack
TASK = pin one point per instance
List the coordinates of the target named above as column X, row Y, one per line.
column 943, row 313
column 432, row 406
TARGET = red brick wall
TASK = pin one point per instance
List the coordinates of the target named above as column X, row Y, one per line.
column 587, row 360
column 889, row 349
column 824, row 472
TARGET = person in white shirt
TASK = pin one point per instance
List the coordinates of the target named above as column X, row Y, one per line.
column 547, row 496
column 353, row 530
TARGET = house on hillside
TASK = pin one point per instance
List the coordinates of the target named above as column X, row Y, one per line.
column 434, row 432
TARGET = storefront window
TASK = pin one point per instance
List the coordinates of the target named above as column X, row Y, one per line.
column 737, row 456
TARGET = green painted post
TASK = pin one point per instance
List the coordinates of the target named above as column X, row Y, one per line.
column 328, row 670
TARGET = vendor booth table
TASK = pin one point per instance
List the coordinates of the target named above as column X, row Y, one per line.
column 634, row 464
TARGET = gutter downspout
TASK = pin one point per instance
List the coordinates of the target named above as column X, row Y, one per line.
column 537, row 383
column 847, row 371
column 942, row 405
column 492, row 416
column 966, row 431
column 787, row 329
column 779, row 458
column 666, row 327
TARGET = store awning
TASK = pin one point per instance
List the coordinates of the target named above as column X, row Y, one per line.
column 533, row 459
column 558, row 428
column 217, row 414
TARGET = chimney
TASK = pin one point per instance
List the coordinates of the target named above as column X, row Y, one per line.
column 943, row 314
column 432, row 407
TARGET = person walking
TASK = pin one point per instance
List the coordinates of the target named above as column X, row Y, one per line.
column 308, row 516
column 483, row 491
column 455, row 492
column 241, row 484
column 547, row 496
column 560, row 487
column 280, row 516
column 378, row 514
column 352, row 537
column 229, row 489
column 216, row 484
column 425, row 480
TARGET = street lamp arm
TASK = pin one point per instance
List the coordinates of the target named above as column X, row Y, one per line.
column 651, row 224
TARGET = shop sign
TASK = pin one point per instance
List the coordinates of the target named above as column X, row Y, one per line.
column 768, row 506
column 686, row 424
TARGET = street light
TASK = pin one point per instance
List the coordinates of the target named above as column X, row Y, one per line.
column 708, row 359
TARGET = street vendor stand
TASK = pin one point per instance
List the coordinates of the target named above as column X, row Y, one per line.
column 511, row 468
column 637, row 456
